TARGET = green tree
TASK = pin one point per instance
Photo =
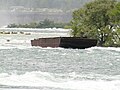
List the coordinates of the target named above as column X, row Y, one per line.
column 98, row 19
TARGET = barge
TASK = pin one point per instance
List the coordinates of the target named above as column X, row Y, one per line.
column 64, row 42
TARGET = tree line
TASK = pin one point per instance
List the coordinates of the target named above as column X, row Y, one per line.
column 42, row 24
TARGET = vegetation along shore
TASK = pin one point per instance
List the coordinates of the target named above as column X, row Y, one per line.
column 42, row 24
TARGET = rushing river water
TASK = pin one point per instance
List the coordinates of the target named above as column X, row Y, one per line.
column 23, row 67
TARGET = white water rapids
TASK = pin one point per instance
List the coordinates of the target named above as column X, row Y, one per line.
column 23, row 67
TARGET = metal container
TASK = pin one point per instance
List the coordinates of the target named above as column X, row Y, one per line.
column 65, row 42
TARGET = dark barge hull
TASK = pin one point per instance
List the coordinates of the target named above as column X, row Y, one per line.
column 65, row 42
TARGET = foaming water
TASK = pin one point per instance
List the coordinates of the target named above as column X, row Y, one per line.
column 58, row 69
column 23, row 67
column 36, row 80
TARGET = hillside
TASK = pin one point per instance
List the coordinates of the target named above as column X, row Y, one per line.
column 58, row 4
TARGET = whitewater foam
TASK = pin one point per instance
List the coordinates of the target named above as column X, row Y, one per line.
column 44, row 79
column 104, row 48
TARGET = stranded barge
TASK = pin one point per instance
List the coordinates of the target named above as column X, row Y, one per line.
column 64, row 42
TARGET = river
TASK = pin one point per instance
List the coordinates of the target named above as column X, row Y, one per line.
column 23, row 67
